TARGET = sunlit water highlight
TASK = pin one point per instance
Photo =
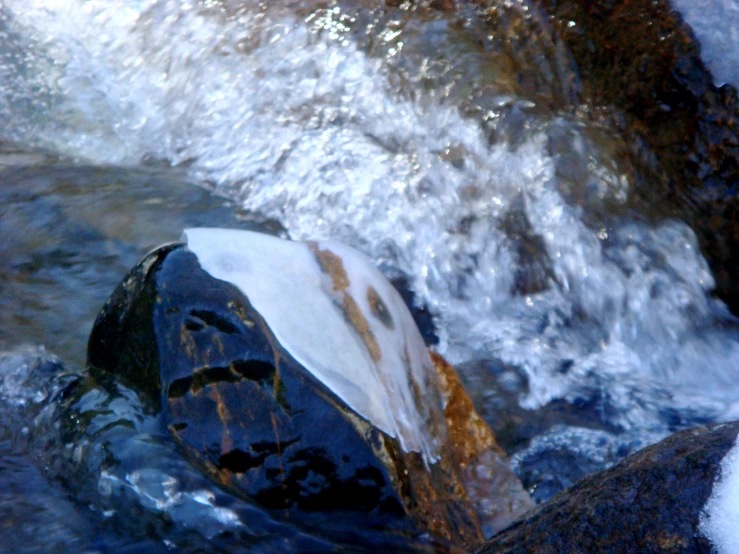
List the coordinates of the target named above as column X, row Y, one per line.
column 289, row 116
column 716, row 25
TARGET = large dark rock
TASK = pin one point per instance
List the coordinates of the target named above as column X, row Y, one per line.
column 263, row 427
column 199, row 351
column 650, row 502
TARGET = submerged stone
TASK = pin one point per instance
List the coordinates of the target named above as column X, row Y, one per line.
column 293, row 375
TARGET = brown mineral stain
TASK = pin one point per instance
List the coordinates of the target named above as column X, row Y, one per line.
column 187, row 342
column 468, row 432
column 283, row 484
column 331, row 265
column 356, row 318
column 667, row 542
column 224, row 416
column 219, row 344
column 483, row 473
column 435, row 497
column 379, row 309
column 275, row 354
column 238, row 310
column 275, row 392
column 418, row 396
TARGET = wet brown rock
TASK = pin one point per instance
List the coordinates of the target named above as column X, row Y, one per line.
column 489, row 482
column 643, row 77
column 650, row 502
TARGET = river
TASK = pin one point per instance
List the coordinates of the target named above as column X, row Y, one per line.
column 584, row 329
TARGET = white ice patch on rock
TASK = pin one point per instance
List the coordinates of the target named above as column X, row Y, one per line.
column 719, row 521
column 375, row 368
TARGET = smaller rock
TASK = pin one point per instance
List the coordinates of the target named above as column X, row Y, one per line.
column 650, row 502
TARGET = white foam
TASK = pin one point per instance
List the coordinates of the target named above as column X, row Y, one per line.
column 716, row 25
column 304, row 309
column 719, row 520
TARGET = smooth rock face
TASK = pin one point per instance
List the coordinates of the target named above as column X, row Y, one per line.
column 266, row 426
column 650, row 502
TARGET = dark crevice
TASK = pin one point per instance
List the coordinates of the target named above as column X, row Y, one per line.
column 179, row 387
column 239, row 461
column 194, row 325
column 211, row 319
column 254, row 370
column 210, row 375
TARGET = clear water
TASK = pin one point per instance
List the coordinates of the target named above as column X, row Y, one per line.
column 408, row 135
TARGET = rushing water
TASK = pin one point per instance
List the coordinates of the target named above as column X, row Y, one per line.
column 716, row 25
column 411, row 135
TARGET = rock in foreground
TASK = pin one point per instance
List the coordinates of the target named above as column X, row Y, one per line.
column 650, row 502
column 232, row 338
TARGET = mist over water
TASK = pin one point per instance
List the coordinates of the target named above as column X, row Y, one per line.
column 521, row 248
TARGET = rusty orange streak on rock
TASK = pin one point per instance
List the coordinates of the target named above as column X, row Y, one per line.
column 379, row 308
column 275, row 391
column 224, row 416
column 331, row 265
column 356, row 318
column 468, row 432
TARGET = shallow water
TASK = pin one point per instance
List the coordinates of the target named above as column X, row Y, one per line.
column 423, row 138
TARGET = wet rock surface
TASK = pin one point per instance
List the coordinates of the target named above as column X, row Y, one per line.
column 642, row 75
column 650, row 502
column 259, row 424
column 88, row 229
column 200, row 352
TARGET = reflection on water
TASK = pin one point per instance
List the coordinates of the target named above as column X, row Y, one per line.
column 37, row 516
column 428, row 139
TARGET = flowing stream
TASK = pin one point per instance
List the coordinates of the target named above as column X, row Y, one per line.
column 583, row 329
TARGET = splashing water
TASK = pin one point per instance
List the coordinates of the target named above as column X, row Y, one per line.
column 716, row 24
column 344, row 123
column 296, row 122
